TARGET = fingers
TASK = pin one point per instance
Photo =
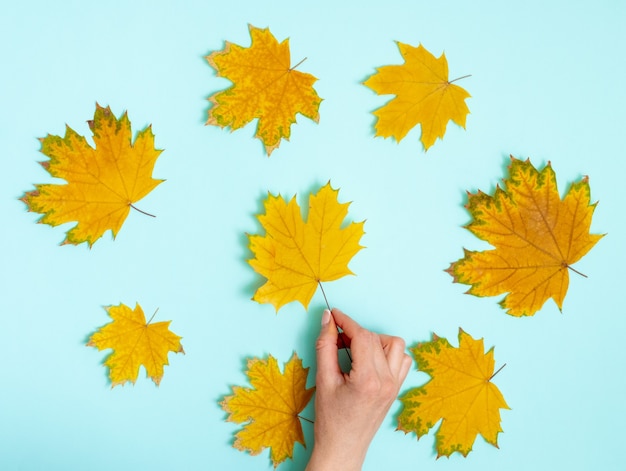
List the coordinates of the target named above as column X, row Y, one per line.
column 393, row 347
column 326, row 346
column 365, row 345
column 407, row 361
column 347, row 324
column 399, row 361
column 343, row 341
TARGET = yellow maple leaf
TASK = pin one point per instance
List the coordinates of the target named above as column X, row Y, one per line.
column 135, row 342
column 271, row 408
column 536, row 235
column 460, row 392
column 265, row 86
column 294, row 255
column 424, row 95
column 102, row 182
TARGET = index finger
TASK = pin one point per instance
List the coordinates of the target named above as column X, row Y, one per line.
column 367, row 347
column 349, row 326
column 389, row 349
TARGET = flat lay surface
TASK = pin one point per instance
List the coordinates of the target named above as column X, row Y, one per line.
column 545, row 84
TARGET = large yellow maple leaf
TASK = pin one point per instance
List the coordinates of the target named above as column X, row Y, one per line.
column 102, row 182
column 271, row 408
column 424, row 96
column 135, row 342
column 294, row 255
column 536, row 235
column 460, row 392
column 265, row 86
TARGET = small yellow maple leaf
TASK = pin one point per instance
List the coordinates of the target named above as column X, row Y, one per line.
column 536, row 235
column 271, row 408
column 265, row 86
column 135, row 342
column 294, row 255
column 460, row 392
column 102, row 183
column 424, row 95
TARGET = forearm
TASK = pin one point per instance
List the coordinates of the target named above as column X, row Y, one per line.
column 350, row 407
column 330, row 460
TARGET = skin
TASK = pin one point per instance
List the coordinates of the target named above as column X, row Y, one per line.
column 350, row 407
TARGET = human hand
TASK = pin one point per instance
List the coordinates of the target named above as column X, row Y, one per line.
column 350, row 407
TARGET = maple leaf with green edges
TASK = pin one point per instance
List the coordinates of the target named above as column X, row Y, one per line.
column 460, row 392
column 265, row 86
column 102, row 182
column 537, row 237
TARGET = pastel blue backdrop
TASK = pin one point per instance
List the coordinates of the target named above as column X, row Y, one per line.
column 546, row 83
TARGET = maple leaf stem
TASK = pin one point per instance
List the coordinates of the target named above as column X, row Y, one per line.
column 498, row 371
column 576, row 271
column 324, row 294
column 298, row 64
column 305, row 419
column 343, row 342
column 157, row 310
column 142, row 212
column 460, row 78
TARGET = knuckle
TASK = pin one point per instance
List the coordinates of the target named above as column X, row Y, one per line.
column 398, row 342
column 372, row 386
column 320, row 344
column 365, row 334
column 379, row 388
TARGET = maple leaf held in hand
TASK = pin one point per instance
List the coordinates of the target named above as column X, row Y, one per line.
column 265, row 86
column 536, row 235
column 135, row 342
column 102, row 183
column 460, row 392
column 271, row 408
column 424, row 96
column 294, row 255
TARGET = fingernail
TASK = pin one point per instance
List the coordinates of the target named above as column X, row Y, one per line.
column 325, row 317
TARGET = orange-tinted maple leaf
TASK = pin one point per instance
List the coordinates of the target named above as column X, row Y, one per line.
column 270, row 408
column 460, row 392
column 265, row 86
column 135, row 342
column 294, row 255
column 424, row 95
column 536, row 235
column 102, row 183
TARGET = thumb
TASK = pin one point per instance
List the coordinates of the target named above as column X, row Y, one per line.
column 326, row 347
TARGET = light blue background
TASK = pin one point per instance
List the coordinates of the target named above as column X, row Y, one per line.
column 547, row 82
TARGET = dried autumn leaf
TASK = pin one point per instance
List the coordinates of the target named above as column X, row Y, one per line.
column 135, row 342
column 536, row 235
column 102, row 182
column 271, row 408
column 265, row 86
column 460, row 392
column 424, row 95
column 294, row 255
